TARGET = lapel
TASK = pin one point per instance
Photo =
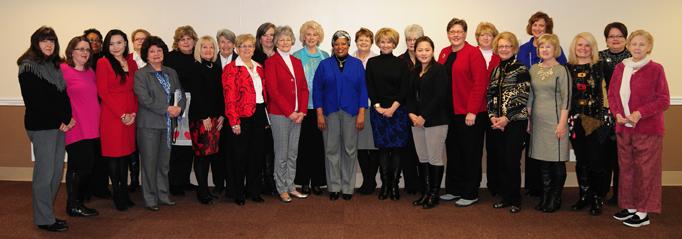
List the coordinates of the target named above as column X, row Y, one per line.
column 280, row 61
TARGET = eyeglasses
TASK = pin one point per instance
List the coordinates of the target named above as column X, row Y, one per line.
column 88, row 50
column 615, row 37
column 455, row 32
column 246, row 46
column 505, row 47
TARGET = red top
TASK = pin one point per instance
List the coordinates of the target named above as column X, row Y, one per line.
column 494, row 62
column 240, row 94
column 469, row 79
column 283, row 88
column 648, row 94
column 117, row 99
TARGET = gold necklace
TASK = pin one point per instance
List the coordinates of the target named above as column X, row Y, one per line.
column 545, row 72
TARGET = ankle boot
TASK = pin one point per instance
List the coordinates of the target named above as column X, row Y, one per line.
column 395, row 166
column 385, row 175
column 134, row 166
column 558, row 171
column 546, row 186
column 582, row 201
column 435, row 176
column 583, row 184
column 597, row 205
column 423, row 170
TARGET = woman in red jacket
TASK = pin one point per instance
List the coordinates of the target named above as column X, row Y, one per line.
column 245, row 110
column 466, row 68
column 115, row 76
column 287, row 102
column 638, row 96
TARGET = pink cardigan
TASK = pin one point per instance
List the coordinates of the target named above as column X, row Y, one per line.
column 648, row 94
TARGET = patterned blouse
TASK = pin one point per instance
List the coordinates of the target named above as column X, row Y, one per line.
column 508, row 90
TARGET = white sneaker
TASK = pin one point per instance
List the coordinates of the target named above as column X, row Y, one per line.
column 465, row 202
column 449, row 197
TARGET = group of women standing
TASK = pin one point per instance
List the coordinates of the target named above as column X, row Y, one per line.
column 207, row 105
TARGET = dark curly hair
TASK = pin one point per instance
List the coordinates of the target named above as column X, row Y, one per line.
column 148, row 43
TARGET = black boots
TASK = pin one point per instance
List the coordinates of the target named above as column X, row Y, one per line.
column 583, row 200
column 134, row 166
column 553, row 178
column 74, row 201
column 118, row 172
column 582, row 174
column 385, row 174
column 597, row 205
column 424, row 174
column 435, row 175
column 395, row 178
column 369, row 164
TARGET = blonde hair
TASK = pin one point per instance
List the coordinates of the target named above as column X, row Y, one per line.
column 183, row 31
column 485, row 27
column 551, row 39
column 390, row 34
column 244, row 38
column 509, row 37
column 311, row 25
column 647, row 36
column 573, row 57
column 197, row 48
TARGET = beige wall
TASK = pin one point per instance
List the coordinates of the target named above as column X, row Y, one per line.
column 20, row 18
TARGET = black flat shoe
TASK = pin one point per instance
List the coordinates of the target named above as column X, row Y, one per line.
column 169, row 203
column 514, row 209
column 305, row 189
column 316, row 190
column 257, row 199
column 206, row 201
column 333, row 196
column 346, row 197
column 501, row 205
column 152, row 208
column 81, row 212
column 54, row 227
column 61, row 221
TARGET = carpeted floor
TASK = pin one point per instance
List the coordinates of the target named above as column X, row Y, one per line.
column 317, row 217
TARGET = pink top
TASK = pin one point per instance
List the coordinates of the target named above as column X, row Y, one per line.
column 82, row 90
column 648, row 94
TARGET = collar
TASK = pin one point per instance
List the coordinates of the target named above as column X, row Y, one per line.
column 239, row 62
column 283, row 54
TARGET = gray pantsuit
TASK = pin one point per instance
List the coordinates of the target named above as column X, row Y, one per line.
column 430, row 143
column 155, row 155
column 285, row 134
column 48, row 148
column 341, row 151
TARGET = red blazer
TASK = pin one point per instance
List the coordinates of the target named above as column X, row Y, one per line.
column 117, row 99
column 494, row 61
column 469, row 79
column 281, row 88
column 648, row 94
column 239, row 92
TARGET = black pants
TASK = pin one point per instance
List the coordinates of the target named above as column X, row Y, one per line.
column 218, row 164
column 506, row 148
column 180, row 167
column 201, row 166
column 98, row 184
column 591, row 163
column 464, row 151
column 310, row 161
column 409, row 162
column 118, row 172
column 248, row 159
column 611, row 154
column 83, row 155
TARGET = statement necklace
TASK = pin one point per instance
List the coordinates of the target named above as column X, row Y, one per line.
column 341, row 61
column 545, row 72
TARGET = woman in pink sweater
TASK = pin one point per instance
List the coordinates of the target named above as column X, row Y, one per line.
column 638, row 96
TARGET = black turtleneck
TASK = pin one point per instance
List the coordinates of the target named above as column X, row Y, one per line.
column 207, row 95
column 387, row 80
column 182, row 64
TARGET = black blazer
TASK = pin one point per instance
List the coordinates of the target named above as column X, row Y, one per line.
column 428, row 95
column 207, row 96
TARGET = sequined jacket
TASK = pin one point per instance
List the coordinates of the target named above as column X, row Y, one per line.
column 508, row 90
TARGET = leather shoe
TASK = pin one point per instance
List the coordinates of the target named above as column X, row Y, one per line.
column 501, row 205
column 316, row 190
column 346, row 197
column 152, row 208
column 284, row 197
column 298, row 195
column 514, row 209
column 54, row 227
column 333, row 196
column 61, row 221
column 169, row 203
column 81, row 212
column 305, row 189
column 257, row 199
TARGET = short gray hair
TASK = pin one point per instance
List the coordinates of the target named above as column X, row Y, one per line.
column 227, row 34
column 284, row 31
column 414, row 30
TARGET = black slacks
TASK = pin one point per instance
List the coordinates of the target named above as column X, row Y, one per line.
column 464, row 152
column 506, row 147
column 248, row 159
column 310, row 162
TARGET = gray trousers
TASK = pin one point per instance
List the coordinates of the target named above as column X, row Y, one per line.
column 285, row 134
column 48, row 148
column 341, row 151
column 430, row 143
column 155, row 158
